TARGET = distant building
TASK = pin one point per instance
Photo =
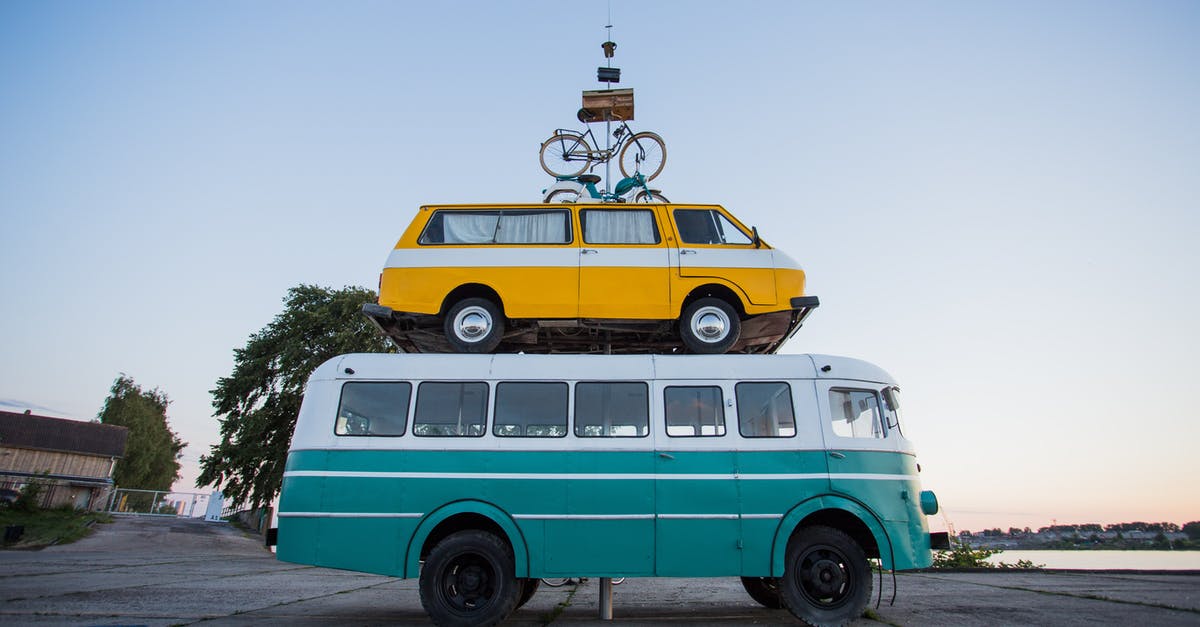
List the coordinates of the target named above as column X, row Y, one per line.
column 74, row 458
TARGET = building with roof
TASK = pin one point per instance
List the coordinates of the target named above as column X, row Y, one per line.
column 75, row 459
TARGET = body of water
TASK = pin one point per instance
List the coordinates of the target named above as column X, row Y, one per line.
column 1103, row 560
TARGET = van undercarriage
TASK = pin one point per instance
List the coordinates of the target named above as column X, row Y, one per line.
column 422, row 333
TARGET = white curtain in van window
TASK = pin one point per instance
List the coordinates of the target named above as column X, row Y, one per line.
column 618, row 227
column 469, row 228
column 532, row 228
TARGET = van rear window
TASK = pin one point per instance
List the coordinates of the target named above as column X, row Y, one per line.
column 521, row 226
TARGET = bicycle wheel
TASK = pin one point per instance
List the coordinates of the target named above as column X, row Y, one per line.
column 565, row 154
column 555, row 582
column 645, row 152
column 650, row 196
column 561, row 195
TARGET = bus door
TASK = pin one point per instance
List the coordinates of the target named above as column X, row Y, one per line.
column 698, row 526
column 855, row 432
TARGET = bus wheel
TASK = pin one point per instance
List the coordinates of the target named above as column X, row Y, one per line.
column 826, row 579
column 709, row 326
column 474, row 325
column 765, row 590
column 468, row 579
column 529, row 587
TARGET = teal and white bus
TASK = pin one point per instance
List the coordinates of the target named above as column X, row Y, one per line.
column 480, row 474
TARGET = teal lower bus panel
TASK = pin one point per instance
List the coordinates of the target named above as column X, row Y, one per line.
column 758, row 536
column 697, row 547
column 370, row 545
column 296, row 540
column 599, row 548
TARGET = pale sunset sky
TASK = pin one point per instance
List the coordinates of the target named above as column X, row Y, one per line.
column 997, row 202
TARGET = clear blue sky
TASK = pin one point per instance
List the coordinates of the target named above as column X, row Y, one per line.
column 995, row 201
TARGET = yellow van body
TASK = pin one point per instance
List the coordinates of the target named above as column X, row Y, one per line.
column 610, row 262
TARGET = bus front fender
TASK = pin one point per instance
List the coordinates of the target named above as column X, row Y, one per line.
column 793, row 518
column 412, row 558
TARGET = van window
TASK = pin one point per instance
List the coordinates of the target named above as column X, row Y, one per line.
column 373, row 408
column 456, row 409
column 518, row 226
column 694, row 411
column 533, row 410
column 855, row 414
column 618, row 226
column 612, row 410
column 708, row 226
column 765, row 410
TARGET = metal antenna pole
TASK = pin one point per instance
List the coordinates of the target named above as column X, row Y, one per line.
column 608, row 116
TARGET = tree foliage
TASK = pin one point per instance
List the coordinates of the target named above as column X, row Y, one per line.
column 152, row 452
column 257, row 404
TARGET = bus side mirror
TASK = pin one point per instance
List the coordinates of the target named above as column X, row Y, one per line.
column 757, row 242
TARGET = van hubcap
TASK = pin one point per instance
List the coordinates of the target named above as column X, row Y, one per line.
column 710, row 324
column 472, row 323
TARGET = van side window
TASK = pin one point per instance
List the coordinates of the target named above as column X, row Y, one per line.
column 532, row 410
column 694, row 411
column 373, row 408
column 455, row 409
column 518, row 226
column 612, row 410
column 855, row 414
column 618, row 226
column 765, row 410
column 708, row 226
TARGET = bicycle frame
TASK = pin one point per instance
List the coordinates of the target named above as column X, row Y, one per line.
column 597, row 154
column 587, row 192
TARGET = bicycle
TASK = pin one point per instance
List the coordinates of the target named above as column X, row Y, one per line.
column 567, row 153
column 582, row 189
column 555, row 582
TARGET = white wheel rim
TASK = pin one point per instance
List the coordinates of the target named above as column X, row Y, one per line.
column 710, row 325
column 472, row 324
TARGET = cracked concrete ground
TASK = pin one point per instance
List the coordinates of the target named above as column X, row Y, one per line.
column 160, row 571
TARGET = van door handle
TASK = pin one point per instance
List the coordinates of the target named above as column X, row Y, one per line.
column 836, row 455
column 666, row 456
column 686, row 251
column 588, row 251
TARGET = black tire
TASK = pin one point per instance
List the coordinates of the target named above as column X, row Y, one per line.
column 709, row 326
column 561, row 196
column 565, row 154
column 530, row 586
column 826, row 579
column 651, row 148
column 474, row 325
column 765, row 590
column 651, row 196
column 468, row 579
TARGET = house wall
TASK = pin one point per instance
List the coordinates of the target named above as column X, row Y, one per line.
column 57, row 464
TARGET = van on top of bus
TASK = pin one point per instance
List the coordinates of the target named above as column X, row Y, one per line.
column 480, row 474
column 587, row 278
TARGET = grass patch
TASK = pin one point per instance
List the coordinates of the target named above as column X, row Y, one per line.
column 45, row 527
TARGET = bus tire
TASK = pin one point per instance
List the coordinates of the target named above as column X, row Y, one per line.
column 826, row 578
column 764, row 590
column 469, row 579
column 529, row 586
column 474, row 325
column 709, row 326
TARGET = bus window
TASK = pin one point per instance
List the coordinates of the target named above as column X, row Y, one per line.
column 373, row 408
column 612, row 410
column 452, row 409
column 694, row 411
column 535, row 410
column 855, row 414
column 765, row 410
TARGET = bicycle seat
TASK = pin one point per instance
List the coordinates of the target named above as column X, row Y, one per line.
column 588, row 178
column 587, row 116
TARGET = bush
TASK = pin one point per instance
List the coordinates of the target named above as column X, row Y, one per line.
column 963, row 556
column 31, row 497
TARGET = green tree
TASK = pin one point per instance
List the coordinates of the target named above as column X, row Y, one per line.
column 152, row 452
column 1192, row 530
column 257, row 404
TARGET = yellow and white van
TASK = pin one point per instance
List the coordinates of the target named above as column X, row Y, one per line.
column 587, row 278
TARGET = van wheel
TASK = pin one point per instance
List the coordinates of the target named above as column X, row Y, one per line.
column 530, row 586
column 765, row 590
column 474, row 325
column 826, row 579
column 468, row 579
column 709, row 326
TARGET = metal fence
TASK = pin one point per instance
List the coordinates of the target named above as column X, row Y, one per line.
column 158, row 503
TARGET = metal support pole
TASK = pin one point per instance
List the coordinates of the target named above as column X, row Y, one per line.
column 606, row 598
column 608, row 150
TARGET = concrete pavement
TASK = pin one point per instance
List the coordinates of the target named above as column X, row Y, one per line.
column 157, row 571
